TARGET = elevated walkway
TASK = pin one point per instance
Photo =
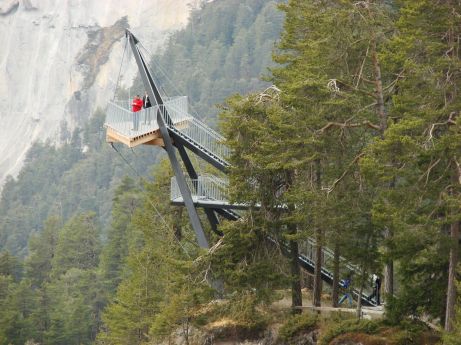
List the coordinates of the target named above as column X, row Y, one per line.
column 209, row 191
column 170, row 125
column 133, row 129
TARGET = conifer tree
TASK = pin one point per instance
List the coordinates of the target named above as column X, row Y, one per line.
column 330, row 75
column 261, row 177
column 126, row 201
column 420, row 155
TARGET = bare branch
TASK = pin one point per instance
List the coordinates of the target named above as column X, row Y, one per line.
column 344, row 125
column 458, row 166
column 359, row 77
column 428, row 171
column 345, row 172
column 450, row 121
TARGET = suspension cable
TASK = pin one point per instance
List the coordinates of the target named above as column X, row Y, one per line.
column 120, row 70
column 160, row 68
column 148, row 200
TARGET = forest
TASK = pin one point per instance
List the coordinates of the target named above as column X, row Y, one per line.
column 356, row 147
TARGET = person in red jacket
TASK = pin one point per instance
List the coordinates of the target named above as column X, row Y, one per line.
column 136, row 106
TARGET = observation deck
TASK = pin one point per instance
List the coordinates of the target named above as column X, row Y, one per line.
column 138, row 128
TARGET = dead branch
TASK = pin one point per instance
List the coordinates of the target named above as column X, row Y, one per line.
column 272, row 93
column 392, row 83
column 344, row 125
column 345, row 172
column 428, row 171
column 458, row 166
column 361, row 66
column 450, row 121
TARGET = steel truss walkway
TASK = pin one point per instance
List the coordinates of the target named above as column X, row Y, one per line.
column 210, row 191
column 168, row 124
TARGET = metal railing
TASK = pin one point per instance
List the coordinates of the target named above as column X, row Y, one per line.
column 120, row 118
column 130, row 124
column 212, row 188
column 197, row 133
column 308, row 249
column 206, row 187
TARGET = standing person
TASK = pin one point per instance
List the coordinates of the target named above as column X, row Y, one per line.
column 376, row 289
column 136, row 106
column 146, row 104
column 347, row 285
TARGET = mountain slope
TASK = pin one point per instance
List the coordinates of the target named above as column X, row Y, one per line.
column 59, row 61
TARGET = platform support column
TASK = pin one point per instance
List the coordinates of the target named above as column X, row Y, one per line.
column 183, row 187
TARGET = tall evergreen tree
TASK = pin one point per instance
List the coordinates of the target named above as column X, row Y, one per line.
column 126, row 201
column 330, row 75
column 261, row 177
column 420, row 155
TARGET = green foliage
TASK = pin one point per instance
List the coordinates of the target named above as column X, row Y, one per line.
column 10, row 266
column 244, row 310
column 125, row 202
column 63, row 181
column 162, row 286
column 237, row 36
column 347, row 326
column 295, row 325
column 417, row 155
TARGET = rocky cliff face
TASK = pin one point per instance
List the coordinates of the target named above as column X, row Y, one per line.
column 59, row 61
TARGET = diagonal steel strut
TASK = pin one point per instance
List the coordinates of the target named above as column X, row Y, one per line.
column 154, row 94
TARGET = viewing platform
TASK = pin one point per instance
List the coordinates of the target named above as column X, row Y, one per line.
column 137, row 128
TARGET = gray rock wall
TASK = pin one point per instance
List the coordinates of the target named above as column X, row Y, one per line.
column 59, row 60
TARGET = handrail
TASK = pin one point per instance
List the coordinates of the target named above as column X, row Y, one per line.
column 210, row 187
column 128, row 123
column 121, row 119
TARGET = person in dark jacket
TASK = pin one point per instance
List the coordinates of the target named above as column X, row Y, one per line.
column 376, row 289
column 146, row 105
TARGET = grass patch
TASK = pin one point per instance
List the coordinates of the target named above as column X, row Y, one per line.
column 369, row 332
column 296, row 325
column 348, row 326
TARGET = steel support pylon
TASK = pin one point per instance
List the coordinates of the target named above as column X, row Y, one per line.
column 154, row 94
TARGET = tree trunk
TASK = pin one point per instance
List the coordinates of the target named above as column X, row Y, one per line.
column 453, row 265
column 379, row 89
column 316, row 300
column 317, row 293
column 389, row 278
column 382, row 115
column 359, row 301
column 451, row 290
column 335, row 292
column 296, row 294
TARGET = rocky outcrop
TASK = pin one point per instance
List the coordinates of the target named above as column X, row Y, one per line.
column 59, row 61
column 28, row 5
column 8, row 7
column 97, row 49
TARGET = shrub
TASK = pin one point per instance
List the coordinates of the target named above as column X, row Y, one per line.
column 295, row 325
column 348, row 326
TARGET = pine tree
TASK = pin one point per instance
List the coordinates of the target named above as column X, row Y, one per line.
column 420, row 156
column 126, row 201
column 331, row 77
column 260, row 177
column 78, row 245
column 42, row 249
